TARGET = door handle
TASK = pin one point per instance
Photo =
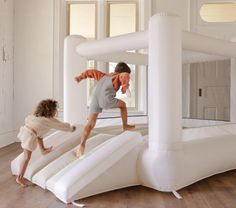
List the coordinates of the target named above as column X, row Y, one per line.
column 200, row 92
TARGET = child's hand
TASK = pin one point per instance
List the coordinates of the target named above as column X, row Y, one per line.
column 47, row 150
column 73, row 128
column 78, row 79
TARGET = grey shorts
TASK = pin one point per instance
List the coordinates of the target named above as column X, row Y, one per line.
column 103, row 96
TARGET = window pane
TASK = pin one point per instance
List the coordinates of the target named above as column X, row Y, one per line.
column 122, row 19
column 218, row 12
column 82, row 20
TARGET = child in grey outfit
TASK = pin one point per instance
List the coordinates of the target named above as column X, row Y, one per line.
column 104, row 97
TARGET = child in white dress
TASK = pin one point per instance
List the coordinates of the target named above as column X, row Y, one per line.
column 36, row 126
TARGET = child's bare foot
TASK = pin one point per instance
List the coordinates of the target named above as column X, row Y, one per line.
column 47, row 150
column 21, row 181
column 128, row 127
column 80, row 151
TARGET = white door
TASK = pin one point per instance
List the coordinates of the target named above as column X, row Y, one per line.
column 210, row 90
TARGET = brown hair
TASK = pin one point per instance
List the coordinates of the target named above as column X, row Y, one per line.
column 122, row 67
column 46, row 108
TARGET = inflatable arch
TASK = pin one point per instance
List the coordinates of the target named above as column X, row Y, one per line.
column 169, row 157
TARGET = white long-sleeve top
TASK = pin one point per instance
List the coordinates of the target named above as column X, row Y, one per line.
column 42, row 125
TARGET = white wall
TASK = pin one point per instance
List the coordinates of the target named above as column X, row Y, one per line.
column 33, row 61
column 6, row 72
column 179, row 7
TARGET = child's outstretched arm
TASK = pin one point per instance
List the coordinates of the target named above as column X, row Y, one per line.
column 53, row 123
column 90, row 73
column 59, row 125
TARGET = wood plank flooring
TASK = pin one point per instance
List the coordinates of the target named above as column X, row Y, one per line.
column 215, row 192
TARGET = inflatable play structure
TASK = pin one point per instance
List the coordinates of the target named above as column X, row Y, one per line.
column 161, row 155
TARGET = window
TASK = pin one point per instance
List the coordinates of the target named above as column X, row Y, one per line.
column 82, row 21
column 122, row 19
column 80, row 15
column 99, row 19
column 218, row 12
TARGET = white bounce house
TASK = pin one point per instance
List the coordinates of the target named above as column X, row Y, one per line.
column 168, row 158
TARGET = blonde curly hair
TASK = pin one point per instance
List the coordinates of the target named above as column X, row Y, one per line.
column 46, row 108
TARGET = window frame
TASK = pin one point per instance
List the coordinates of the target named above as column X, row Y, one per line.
column 68, row 3
column 108, row 9
column 108, row 12
column 143, row 13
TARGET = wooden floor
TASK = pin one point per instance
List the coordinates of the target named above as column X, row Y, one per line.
column 215, row 192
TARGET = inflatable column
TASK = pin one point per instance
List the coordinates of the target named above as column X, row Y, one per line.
column 160, row 163
column 75, row 101
column 164, row 82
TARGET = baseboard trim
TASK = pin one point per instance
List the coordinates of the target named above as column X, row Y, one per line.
column 7, row 138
